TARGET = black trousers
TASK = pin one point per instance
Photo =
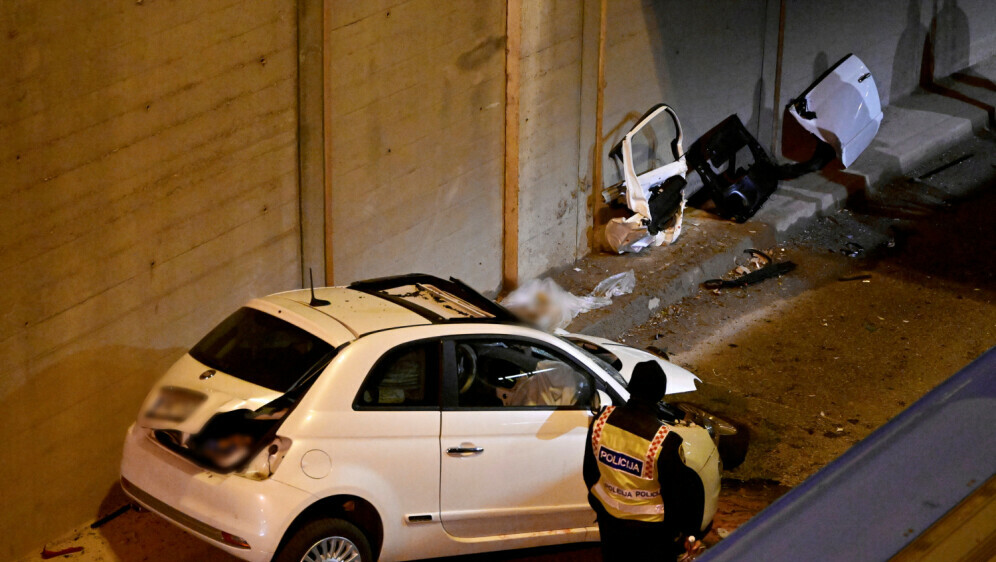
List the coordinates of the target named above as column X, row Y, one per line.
column 626, row 540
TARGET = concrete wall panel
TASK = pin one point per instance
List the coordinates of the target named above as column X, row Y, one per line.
column 148, row 168
column 417, row 102
column 550, row 199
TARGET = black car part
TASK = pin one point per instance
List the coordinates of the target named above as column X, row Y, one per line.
column 738, row 173
column 770, row 269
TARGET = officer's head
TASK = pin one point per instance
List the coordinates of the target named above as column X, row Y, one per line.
column 648, row 385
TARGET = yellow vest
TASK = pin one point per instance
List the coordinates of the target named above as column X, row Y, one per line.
column 627, row 486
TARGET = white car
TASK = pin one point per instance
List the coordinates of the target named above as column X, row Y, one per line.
column 395, row 419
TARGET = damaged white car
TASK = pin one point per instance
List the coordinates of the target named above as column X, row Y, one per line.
column 394, row 419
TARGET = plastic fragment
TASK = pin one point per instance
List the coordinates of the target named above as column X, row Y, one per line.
column 47, row 554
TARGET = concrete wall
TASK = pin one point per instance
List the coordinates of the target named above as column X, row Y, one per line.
column 417, row 101
column 706, row 64
column 552, row 202
column 148, row 174
column 889, row 37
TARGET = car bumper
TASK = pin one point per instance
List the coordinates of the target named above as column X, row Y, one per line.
column 206, row 504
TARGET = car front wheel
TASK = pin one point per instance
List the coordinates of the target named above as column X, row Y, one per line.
column 327, row 540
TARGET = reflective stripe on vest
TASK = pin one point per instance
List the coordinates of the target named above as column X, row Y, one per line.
column 627, row 486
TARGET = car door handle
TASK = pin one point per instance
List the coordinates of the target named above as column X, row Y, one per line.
column 461, row 451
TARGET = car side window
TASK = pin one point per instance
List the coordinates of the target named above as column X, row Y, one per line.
column 405, row 377
column 498, row 372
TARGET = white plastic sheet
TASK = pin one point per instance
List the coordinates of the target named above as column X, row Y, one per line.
column 547, row 304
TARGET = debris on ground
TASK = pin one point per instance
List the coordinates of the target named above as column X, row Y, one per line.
column 110, row 516
column 693, row 548
column 767, row 271
column 550, row 306
column 852, row 249
column 47, row 554
column 862, row 277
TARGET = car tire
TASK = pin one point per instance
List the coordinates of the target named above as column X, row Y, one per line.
column 733, row 448
column 324, row 535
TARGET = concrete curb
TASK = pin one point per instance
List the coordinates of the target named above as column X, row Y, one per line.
column 914, row 129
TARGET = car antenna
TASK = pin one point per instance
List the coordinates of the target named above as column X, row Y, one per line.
column 315, row 301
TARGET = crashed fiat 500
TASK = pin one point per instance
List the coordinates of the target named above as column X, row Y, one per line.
column 399, row 418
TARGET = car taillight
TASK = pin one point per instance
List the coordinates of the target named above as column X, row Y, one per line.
column 265, row 463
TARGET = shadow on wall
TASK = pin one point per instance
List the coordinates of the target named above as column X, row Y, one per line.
column 945, row 51
column 762, row 112
column 78, row 408
column 909, row 53
column 705, row 59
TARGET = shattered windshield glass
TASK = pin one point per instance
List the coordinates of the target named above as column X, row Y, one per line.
column 261, row 349
column 615, row 374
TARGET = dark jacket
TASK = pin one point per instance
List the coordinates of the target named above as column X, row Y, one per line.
column 681, row 487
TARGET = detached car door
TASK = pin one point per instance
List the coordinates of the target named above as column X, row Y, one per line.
column 514, row 423
column 842, row 108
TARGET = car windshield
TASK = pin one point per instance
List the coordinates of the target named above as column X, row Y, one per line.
column 615, row 374
column 262, row 349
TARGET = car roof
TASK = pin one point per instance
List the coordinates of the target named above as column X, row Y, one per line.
column 358, row 312
column 394, row 302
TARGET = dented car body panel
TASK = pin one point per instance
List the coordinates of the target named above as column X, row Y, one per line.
column 322, row 439
column 841, row 108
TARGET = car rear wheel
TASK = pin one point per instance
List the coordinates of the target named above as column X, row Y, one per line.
column 327, row 540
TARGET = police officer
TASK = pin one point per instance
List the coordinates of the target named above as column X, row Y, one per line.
column 645, row 498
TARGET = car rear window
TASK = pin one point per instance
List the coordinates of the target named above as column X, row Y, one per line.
column 262, row 349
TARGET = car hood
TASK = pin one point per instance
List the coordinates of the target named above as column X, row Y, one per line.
column 679, row 379
column 209, row 392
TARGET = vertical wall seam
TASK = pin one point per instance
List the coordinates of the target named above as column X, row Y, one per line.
column 510, row 190
column 597, row 181
column 301, row 10
column 776, row 113
column 327, row 139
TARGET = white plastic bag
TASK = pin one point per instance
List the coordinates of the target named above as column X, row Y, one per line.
column 616, row 285
column 549, row 306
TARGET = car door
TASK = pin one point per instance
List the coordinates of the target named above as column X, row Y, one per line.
column 514, row 423
column 842, row 108
column 393, row 438
column 651, row 163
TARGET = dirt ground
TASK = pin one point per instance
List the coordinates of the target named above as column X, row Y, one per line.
column 887, row 300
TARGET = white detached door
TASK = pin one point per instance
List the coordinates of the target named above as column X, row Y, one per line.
column 512, row 439
column 842, row 108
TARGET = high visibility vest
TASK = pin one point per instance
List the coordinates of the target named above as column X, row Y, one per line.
column 627, row 486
